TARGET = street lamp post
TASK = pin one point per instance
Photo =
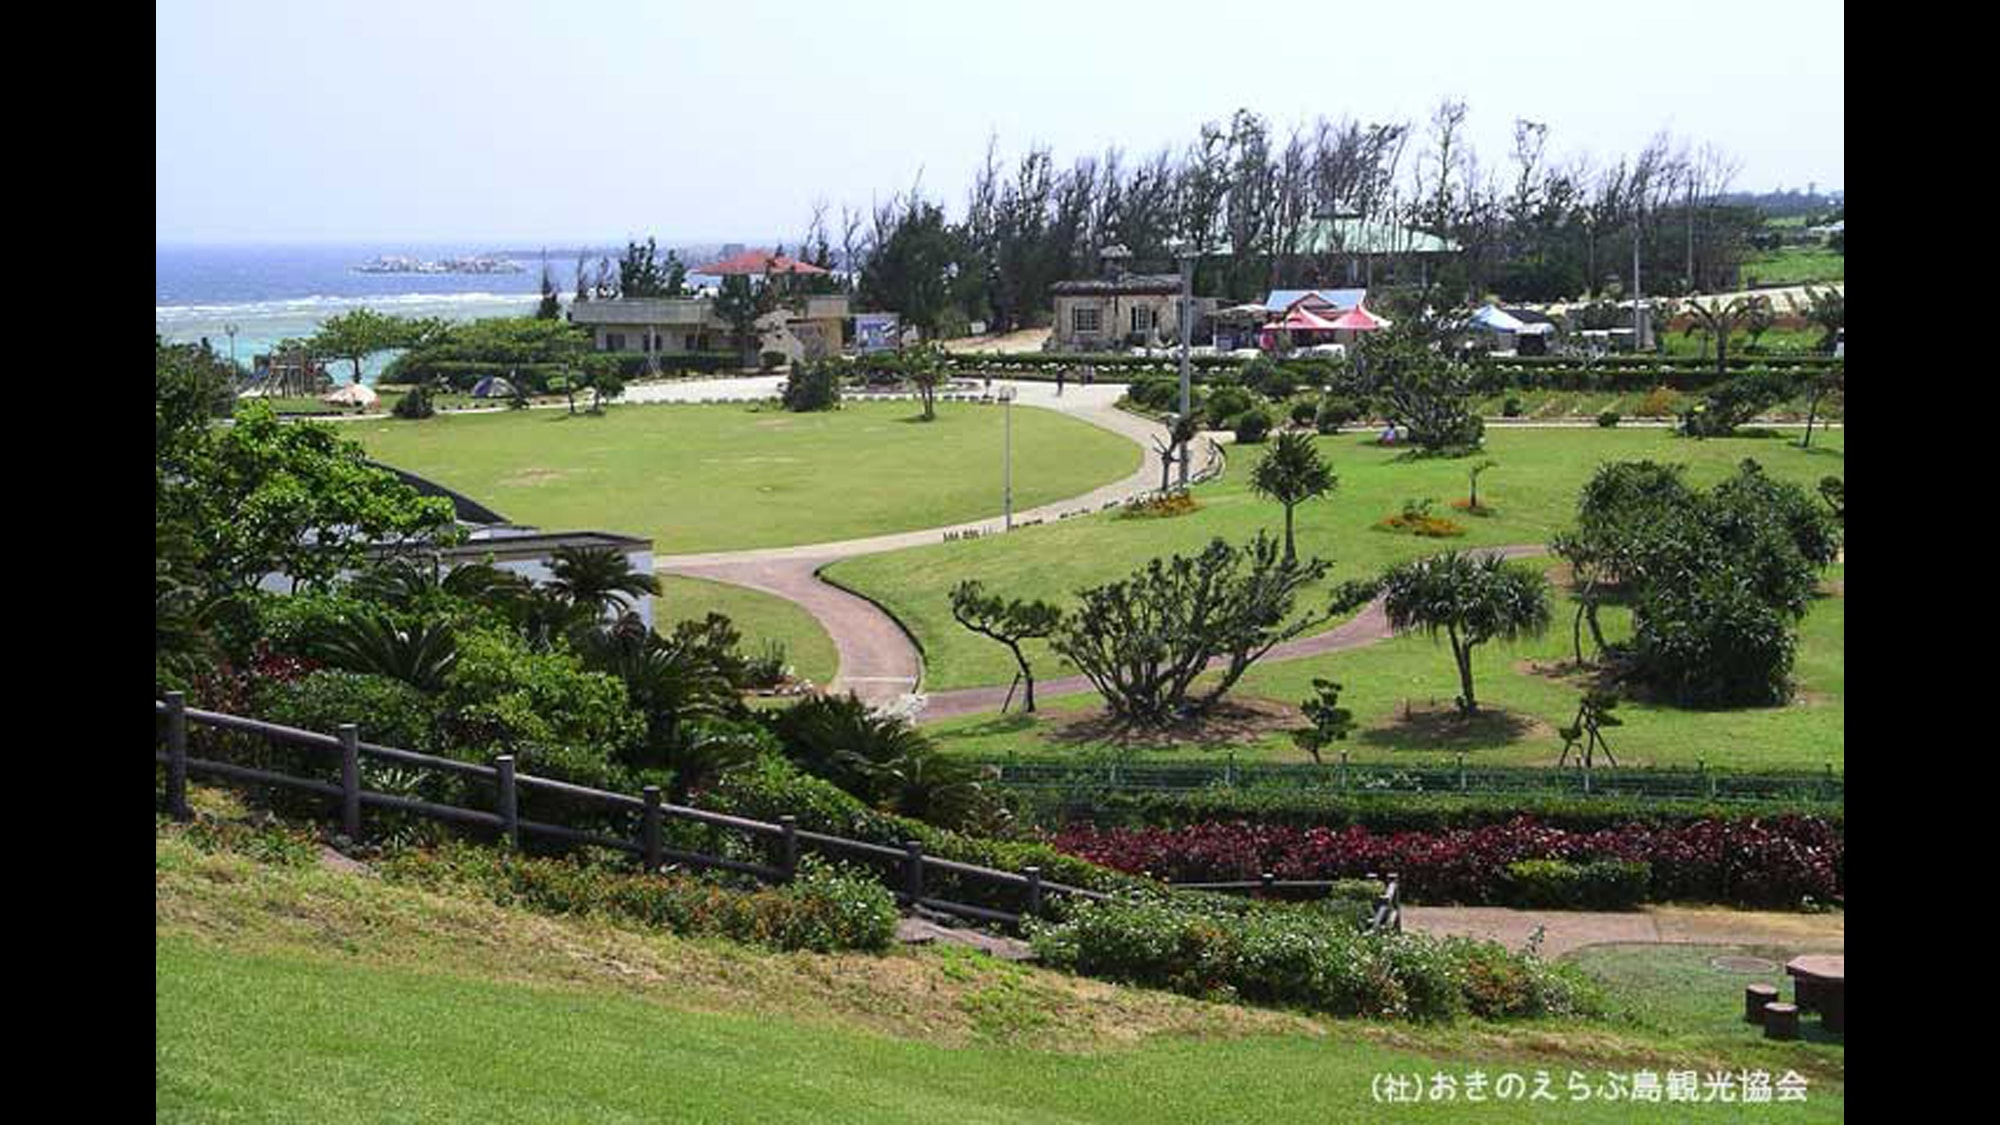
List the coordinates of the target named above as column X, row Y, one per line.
column 230, row 331
column 1187, row 256
column 1007, row 453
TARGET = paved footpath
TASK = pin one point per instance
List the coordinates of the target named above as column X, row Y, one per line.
column 1565, row 930
column 878, row 660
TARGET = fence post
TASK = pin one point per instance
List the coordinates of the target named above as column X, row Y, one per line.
column 1269, row 879
column 510, row 819
column 1826, row 790
column 649, row 829
column 1343, row 771
column 350, row 780
column 177, row 756
column 1034, row 875
column 1229, row 771
column 1461, row 773
column 788, row 840
column 913, row 871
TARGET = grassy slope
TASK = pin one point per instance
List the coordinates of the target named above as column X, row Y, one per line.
column 1534, row 488
column 304, row 995
column 710, row 478
column 757, row 615
column 1793, row 265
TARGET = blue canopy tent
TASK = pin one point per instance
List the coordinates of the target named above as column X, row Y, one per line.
column 493, row 386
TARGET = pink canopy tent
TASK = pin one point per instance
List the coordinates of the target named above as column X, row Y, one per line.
column 1297, row 319
column 1358, row 319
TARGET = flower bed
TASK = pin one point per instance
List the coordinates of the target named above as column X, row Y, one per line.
column 1777, row 861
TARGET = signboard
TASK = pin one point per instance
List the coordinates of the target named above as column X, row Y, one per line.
column 875, row 332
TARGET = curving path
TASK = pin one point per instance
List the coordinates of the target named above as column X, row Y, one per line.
column 878, row 660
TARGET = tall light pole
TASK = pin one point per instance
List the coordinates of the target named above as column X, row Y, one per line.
column 1187, row 254
column 1007, row 452
column 230, row 331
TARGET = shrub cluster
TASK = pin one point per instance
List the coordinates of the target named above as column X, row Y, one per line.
column 1750, row 862
column 1253, row 426
column 772, row 788
column 1309, row 959
column 823, row 909
column 1160, row 505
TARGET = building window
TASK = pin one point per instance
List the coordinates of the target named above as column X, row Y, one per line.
column 1144, row 317
column 691, row 343
column 614, row 341
column 1083, row 321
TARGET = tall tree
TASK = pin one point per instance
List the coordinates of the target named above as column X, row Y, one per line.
column 911, row 266
column 550, row 307
column 741, row 304
column 357, row 335
column 1292, row 473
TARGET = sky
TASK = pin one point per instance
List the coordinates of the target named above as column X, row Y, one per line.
column 544, row 123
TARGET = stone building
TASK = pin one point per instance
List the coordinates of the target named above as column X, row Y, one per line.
column 1119, row 310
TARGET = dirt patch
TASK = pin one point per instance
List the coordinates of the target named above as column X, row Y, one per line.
column 530, row 478
column 1431, row 725
column 1834, row 587
column 1231, row 722
column 772, row 424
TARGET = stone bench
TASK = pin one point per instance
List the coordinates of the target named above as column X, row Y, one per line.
column 1819, row 984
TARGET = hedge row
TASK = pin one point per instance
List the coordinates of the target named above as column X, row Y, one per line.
column 1780, row 861
column 823, row 909
column 1303, row 958
column 1297, row 807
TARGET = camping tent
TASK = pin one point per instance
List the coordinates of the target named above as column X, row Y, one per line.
column 353, row 394
column 1495, row 319
column 493, row 386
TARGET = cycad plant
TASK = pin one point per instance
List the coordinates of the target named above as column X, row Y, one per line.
column 598, row 578
column 421, row 655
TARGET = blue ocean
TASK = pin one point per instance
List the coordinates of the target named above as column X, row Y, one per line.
column 272, row 293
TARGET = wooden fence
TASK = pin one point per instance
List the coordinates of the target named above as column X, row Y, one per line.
column 910, row 860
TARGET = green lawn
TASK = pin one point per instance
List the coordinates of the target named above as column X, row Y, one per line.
column 300, row 994
column 1794, row 265
column 1679, row 990
column 1380, row 681
column 1534, row 489
column 712, row 478
column 757, row 615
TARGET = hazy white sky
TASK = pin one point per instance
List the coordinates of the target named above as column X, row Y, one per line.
column 514, row 121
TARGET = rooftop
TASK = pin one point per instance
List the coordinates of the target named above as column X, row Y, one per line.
column 756, row 263
column 1133, row 283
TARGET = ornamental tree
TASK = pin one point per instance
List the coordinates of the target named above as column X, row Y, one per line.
column 1472, row 600
column 1143, row 640
column 1292, row 473
column 297, row 499
column 1009, row 622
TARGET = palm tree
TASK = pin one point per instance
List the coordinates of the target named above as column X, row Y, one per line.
column 405, row 582
column 1292, row 473
column 598, row 578
column 1832, row 381
column 1472, row 600
column 1828, row 309
column 1719, row 320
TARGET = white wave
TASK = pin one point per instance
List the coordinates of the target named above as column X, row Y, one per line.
column 319, row 304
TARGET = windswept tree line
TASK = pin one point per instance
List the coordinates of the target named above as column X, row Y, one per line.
column 1531, row 226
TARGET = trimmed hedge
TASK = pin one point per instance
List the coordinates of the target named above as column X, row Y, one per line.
column 1298, row 807
column 1607, row 884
